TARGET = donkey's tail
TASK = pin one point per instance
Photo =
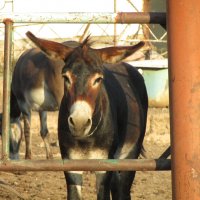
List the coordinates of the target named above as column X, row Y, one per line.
column 15, row 111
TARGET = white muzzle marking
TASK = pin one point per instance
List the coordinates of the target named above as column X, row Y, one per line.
column 80, row 119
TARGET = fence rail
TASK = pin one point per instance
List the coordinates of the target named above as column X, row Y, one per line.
column 84, row 165
column 83, row 17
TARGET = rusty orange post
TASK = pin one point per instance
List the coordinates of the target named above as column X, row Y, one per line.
column 184, row 74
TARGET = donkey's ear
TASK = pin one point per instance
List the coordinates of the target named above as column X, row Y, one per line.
column 117, row 54
column 54, row 50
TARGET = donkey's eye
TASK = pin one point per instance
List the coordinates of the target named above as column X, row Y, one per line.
column 98, row 80
column 66, row 79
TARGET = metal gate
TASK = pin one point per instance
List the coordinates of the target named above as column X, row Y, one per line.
column 108, row 18
column 189, row 180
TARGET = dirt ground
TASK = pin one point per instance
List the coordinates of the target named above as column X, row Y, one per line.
column 51, row 185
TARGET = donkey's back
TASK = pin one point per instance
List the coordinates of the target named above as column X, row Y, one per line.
column 37, row 82
column 129, row 103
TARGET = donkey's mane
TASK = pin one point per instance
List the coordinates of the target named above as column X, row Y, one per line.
column 87, row 42
column 85, row 49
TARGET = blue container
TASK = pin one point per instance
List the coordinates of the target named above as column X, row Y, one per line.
column 155, row 73
column 156, row 81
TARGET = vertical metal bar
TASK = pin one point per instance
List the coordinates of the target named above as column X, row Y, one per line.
column 6, row 89
column 146, row 30
column 115, row 25
column 184, row 73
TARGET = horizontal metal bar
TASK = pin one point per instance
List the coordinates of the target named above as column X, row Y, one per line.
column 87, row 17
column 85, row 165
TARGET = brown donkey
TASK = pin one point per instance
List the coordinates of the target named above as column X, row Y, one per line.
column 102, row 114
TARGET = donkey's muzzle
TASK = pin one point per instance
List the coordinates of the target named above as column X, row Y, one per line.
column 80, row 119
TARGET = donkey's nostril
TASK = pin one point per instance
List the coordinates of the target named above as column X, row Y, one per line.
column 88, row 122
column 71, row 121
column 79, row 124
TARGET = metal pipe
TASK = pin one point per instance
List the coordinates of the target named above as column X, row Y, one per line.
column 184, row 75
column 85, row 165
column 6, row 89
column 83, row 17
column 115, row 25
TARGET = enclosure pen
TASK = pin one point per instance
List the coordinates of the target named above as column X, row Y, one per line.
column 9, row 19
column 112, row 165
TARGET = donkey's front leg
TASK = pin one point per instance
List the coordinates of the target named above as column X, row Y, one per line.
column 74, row 185
column 103, row 185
